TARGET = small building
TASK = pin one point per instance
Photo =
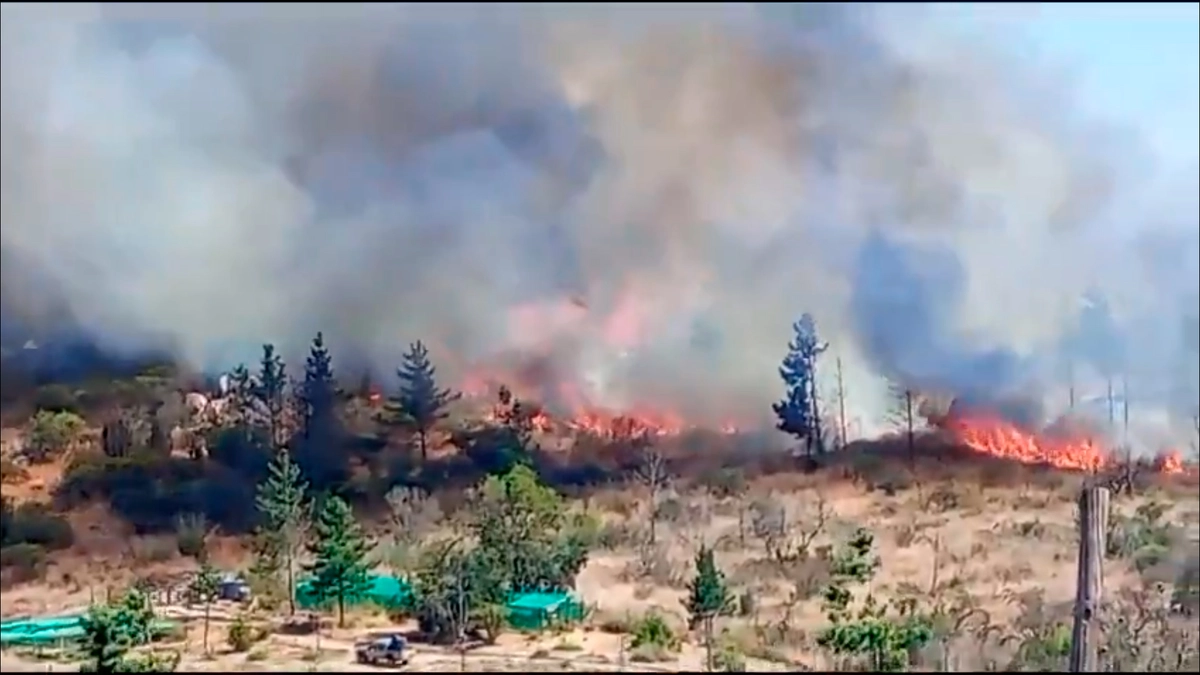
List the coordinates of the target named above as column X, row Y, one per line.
column 541, row 610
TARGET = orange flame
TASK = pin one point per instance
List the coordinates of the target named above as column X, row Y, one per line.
column 1170, row 462
column 999, row 438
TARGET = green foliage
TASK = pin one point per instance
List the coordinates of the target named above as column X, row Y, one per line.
column 340, row 569
column 523, row 527
column 524, row 541
column 708, row 594
column 269, row 389
column 205, row 585
column 318, row 446
column 1142, row 537
column 112, row 630
column 283, row 504
column 708, row 597
column 241, row 634
column 883, row 635
column 652, row 630
column 50, row 432
column 799, row 412
column 419, row 404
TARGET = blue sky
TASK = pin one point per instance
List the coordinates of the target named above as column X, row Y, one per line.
column 1133, row 63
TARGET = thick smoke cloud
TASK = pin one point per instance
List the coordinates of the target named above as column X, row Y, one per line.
column 643, row 198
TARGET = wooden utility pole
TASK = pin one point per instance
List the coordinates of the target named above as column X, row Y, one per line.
column 1089, row 589
column 841, row 405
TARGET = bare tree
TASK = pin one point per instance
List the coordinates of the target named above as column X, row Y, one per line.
column 413, row 514
column 841, row 394
column 788, row 537
column 652, row 472
column 903, row 417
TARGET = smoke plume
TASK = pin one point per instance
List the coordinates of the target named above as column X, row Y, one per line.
column 641, row 199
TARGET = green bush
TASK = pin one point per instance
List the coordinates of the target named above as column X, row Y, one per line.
column 652, row 630
column 51, row 432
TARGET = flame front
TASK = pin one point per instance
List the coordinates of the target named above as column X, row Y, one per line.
column 999, row 438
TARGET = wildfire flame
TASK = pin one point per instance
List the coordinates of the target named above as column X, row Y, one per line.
column 1075, row 451
column 999, row 438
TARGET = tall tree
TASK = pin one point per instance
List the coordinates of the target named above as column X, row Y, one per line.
column 708, row 597
column 799, row 412
column 204, row 588
column 270, row 390
column 318, row 448
column 340, row 570
column 283, row 502
column 419, row 404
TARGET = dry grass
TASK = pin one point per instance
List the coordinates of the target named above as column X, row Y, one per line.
column 992, row 550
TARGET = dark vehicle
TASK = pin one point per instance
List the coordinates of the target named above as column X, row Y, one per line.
column 390, row 649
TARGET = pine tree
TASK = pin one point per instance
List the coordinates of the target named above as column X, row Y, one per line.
column 799, row 412
column 270, row 387
column 204, row 588
column 282, row 501
column 318, row 449
column 340, row 570
column 708, row 597
column 420, row 404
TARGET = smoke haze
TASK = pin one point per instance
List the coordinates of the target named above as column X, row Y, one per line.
column 643, row 198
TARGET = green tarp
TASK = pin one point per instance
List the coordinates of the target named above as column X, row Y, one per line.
column 55, row 629
column 538, row 611
column 386, row 591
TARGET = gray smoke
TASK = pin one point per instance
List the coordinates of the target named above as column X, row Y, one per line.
column 642, row 197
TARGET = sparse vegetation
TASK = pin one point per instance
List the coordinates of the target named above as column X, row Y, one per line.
column 787, row 568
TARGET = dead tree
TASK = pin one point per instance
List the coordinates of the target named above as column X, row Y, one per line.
column 1089, row 590
column 652, row 472
column 841, row 394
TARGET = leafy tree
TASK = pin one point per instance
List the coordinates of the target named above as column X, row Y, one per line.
column 523, row 540
column 799, row 412
column 318, row 448
column 340, row 570
column 282, row 501
column 419, row 404
column 204, row 589
column 270, row 389
column 882, row 634
column 708, row 597
column 50, row 432
column 523, row 526
column 112, row 630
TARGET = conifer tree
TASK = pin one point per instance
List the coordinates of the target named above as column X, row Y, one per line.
column 282, row 500
column 419, row 404
column 708, row 597
column 340, row 571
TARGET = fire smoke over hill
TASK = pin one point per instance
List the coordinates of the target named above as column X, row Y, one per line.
column 628, row 204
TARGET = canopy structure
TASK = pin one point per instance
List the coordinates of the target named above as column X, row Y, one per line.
column 386, row 591
column 540, row 610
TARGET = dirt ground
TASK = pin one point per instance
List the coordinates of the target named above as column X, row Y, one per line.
column 957, row 542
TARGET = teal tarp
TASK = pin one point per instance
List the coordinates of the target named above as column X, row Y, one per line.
column 54, row 629
column 386, row 591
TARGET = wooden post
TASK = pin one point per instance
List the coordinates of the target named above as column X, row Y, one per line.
column 1089, row 589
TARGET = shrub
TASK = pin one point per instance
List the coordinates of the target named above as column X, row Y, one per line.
column 652, row 630
column 51, row 432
